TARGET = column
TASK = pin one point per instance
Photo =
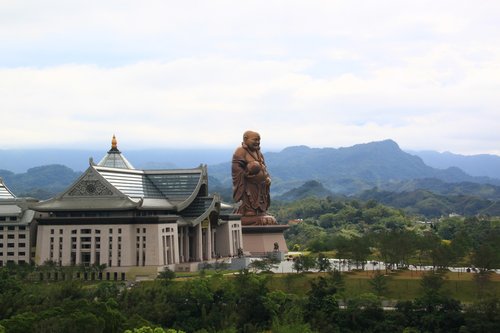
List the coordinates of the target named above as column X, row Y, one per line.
column 199, row 243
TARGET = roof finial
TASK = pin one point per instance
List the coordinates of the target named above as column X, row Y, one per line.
column 114, row 143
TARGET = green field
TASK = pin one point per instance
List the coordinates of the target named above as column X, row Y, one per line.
column 404, row 285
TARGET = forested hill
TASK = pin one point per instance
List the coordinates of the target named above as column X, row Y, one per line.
column 344, row 171
column 475, row 165
column 349, row 170
column 40, row 182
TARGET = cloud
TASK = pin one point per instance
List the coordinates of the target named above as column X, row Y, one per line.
column 184, row 74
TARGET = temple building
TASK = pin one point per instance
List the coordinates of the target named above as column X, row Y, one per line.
column 17, row 228
column 136, row 222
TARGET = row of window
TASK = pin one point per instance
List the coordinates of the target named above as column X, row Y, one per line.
column 85, row 231
column 12, row 227
column 13, row 236
column 12, row 261
column 11, row 254
column 8, row 218
column 13, row 245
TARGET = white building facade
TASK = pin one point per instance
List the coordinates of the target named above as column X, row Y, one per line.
column 134, row 223
column 16, row 228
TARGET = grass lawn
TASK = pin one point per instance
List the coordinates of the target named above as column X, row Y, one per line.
column 401, row 285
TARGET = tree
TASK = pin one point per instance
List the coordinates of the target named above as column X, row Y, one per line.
column 323, row 263
column 304, row 263
column 321, row 308
column 378, row 283
column 264, row 264
column 396, row 246
column 434, row 311
column 483, row 316
column 166, row 275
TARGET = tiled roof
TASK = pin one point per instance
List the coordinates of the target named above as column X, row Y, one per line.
column 5, row 193
column 132, row 184
column 199, row 206
column 114, row 159
column 174, row 185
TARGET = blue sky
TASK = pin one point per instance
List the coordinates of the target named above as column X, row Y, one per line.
column 184, row 74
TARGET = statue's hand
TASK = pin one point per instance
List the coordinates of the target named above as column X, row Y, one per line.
column 268, row 181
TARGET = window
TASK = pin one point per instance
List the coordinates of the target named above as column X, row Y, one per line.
column 61, row 231
column 119, row 230
column 22, row 227
column 22, row 236
column 74, row 231
column 98, row 231
column 22, row 244
column 144, row 230
column 11, row 228
column 51, row 231
column 86, row 231
column 11, row 236
column 110, row 231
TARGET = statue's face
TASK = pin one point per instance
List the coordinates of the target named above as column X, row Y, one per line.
column 253, row 141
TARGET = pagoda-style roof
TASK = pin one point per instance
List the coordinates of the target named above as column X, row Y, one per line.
column 5, row 193
column 114, row 158
column 182, row 192
column 11, row 206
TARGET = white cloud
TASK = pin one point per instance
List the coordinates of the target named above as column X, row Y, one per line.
column 197, row 73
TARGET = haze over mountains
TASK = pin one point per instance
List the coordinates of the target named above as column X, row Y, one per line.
column 296, row 171
column 474, row 165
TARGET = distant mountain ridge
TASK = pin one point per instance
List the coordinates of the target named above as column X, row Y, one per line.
column 475, row 165
column 344, row 171
column 40, row 182
column 349, row 170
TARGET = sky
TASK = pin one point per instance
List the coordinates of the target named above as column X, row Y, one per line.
column 197, row 74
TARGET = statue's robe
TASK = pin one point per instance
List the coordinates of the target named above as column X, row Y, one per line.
column 251, row 190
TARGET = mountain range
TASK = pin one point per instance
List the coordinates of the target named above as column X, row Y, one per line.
column 474, row 165
column 371, row 170
column 351, row 170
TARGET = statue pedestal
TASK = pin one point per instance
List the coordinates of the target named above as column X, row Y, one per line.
column 258, row 220
column 259, row 239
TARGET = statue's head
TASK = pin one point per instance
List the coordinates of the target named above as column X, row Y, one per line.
column 251, row 140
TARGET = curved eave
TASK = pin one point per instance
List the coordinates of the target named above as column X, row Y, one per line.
column 214, row 207
column 181, row 205
column 163, row 204
column 7, row 194
column 85, row 203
